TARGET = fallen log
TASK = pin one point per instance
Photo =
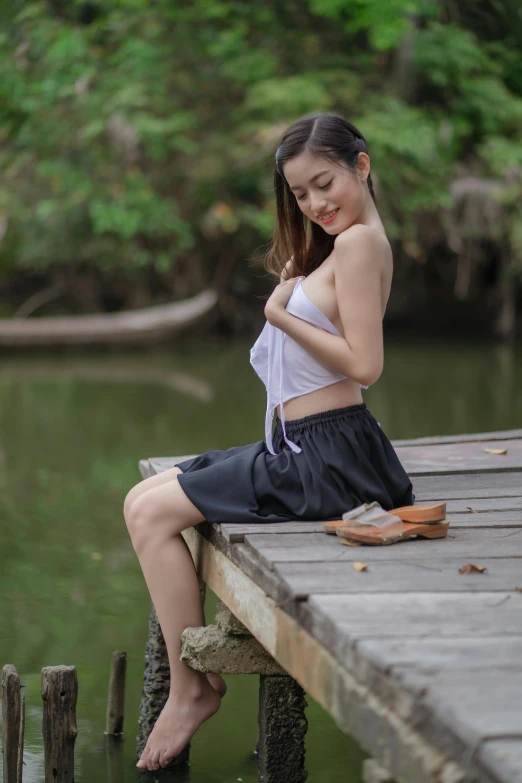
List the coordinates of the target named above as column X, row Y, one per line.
column 130, row 327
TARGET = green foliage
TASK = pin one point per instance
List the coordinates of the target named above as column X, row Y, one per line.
column 126, row 126
column 385, row 22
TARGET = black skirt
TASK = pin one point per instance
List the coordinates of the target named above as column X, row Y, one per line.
column 346, row 460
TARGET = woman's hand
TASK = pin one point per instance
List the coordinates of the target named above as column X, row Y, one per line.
column 279, row 297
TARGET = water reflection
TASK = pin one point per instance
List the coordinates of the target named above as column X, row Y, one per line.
column 122, row 370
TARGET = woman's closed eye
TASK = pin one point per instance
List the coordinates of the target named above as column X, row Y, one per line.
column 322, row 187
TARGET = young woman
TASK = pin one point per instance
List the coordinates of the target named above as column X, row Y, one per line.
column 321, row 343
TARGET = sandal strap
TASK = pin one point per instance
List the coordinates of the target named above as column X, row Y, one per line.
column 369, row 514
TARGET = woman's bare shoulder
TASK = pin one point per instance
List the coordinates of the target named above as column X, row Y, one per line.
column 363, row 241
column 361, row 233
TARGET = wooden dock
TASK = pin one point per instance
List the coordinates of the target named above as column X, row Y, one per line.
column 420, row 663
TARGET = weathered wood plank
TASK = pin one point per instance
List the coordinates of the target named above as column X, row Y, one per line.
column 476, row 436
column 460, row 458
column 474, row 485
column 457, row 654
column 503, row 757
column 483, row 505
column 473, row 704
column 235, row 533
column 459, row 543
column 432, row 497
column 429, row 575
column 340, row 620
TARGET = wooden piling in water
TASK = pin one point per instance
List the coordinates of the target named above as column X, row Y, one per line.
column 13, row 723
column 116, row 698
column 59, row 694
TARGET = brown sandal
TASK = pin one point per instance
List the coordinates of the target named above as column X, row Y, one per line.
column 390, row 534
column 427, row 514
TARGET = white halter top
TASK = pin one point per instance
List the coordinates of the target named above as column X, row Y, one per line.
column 285, row 368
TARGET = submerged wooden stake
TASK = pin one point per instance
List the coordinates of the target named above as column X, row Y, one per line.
column 59, row 694
column 13, row 720
column 116, row 699
column 114, row 747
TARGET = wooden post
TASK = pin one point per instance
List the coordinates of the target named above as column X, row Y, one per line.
column 20, row 758
column 13, row 720
column 59, row 694
column 116, row 698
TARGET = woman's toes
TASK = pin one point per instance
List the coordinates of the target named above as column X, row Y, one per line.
column 165, row 760
column 153, row 760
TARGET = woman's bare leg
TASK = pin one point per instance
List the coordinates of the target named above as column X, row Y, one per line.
column 216, row 680
column 155, row 520
column 149, row 483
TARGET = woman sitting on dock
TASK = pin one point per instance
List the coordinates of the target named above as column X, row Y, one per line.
column 322, row 342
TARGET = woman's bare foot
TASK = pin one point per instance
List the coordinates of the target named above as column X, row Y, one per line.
column 218, row 683
column 179, row 720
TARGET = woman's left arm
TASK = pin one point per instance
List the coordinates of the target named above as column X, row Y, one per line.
column 359, row 354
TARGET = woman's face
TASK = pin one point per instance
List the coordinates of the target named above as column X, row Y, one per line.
column 328, row 193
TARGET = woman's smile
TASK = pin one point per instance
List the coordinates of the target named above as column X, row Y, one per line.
column 328, row 217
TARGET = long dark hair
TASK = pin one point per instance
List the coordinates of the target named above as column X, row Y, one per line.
column 334, row 138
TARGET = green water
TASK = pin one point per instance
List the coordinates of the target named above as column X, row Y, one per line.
column 71, row 433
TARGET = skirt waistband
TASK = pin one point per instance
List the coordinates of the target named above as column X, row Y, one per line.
column 295, row 425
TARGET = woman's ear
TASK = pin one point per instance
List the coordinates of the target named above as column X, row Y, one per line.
column 363, row 163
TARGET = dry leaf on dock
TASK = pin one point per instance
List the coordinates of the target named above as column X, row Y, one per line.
column 496, row 451
column 472, row 568
column 360, row 566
